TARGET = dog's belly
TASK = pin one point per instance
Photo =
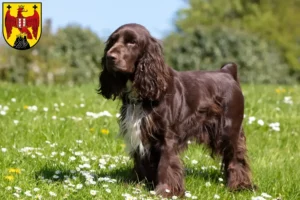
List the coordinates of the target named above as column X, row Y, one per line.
column 130, row 128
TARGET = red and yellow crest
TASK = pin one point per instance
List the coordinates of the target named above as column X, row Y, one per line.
column 22, row 24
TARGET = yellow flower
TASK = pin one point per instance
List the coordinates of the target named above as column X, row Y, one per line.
column 105, row 131
column 10, row 178
column 280, row 90
column 25, row 107
column 14, row 170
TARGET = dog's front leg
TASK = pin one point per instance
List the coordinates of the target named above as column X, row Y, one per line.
column 170, row 171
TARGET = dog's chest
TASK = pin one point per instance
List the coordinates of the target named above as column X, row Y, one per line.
column 132, row 118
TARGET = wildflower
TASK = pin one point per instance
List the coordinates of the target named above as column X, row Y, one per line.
column 104, row 131
column 78, row 141
column 45, row 109
column 220, row 179
column 280, row 90
column 108, row 190
column 55, row 177
column 174, row 197
column 13, row 100
column 194, row 197
column 81, row 105
column 72, row 158
column 52, row 194
column 78, row 153
column 86, row 165
column 152, row 192
column 265, row 195
column 97, row 115
column 2, row 112
column 3, row 150
column 54, row 117
column 28, row 193
column 36, row 189
column 260, row 122
column 93, row 192
column 251, row 119
column 79, row 186
column 102, row 161
column 62, row 104
column 257, row 198
column 8, row 188
column 194, row 162
column 187, row 194
column 16, row 122
column 32, row 108
column 9, row 178
column 92, row 130
column 25, row 107
column 112, row 166
column 168, row 191
column 207, row 184
column 216, row 196
column 288, row 100
column 275, row 126
column 118, row 115
column 14, row 170
column 16, row 195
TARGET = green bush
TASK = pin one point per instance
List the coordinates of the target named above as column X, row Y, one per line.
column 71, row 55
column 209, row 48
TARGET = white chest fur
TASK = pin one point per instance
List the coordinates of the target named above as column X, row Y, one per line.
column 130, row 128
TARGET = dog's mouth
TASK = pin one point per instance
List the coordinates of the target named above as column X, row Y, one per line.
column 119, row 68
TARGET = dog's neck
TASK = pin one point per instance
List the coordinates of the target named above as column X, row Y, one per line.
column 131, row 93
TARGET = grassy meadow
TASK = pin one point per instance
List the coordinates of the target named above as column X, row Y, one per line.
column 61, row 142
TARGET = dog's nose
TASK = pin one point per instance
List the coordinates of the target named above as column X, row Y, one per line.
column 111, row 57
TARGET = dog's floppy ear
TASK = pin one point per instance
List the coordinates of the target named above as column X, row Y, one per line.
column 151, row 74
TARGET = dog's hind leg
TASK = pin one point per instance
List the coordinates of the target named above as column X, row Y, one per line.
column 233, row 147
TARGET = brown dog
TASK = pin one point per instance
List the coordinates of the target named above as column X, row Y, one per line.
column 163, row 109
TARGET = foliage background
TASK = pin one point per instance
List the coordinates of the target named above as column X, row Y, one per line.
column 262, row 36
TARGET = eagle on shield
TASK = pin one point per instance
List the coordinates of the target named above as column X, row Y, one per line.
column 22, row 23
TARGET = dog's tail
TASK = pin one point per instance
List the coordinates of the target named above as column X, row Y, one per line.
column 231, row 68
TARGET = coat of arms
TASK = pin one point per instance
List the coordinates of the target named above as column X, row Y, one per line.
column 21, row 24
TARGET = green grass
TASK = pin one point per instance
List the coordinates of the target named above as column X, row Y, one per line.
column 274, row 155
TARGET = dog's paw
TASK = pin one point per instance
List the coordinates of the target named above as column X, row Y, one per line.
column 166, row 191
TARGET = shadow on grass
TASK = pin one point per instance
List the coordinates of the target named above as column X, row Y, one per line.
column 123, row 175
column 211, row 175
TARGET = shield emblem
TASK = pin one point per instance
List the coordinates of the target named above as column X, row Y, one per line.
column 22, row 24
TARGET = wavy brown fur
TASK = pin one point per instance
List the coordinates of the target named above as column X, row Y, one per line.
column 177, row 107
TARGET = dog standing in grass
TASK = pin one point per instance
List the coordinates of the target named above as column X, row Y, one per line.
column 162, row 109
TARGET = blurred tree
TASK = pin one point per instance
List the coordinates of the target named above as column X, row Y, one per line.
column 72, row 55
column 209, row 48
column 81, row 51
column 274, row 20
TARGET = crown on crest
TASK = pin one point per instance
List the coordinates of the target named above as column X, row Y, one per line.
column 21, row 6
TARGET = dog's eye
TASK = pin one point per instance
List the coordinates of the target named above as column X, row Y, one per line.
column 131, row 43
